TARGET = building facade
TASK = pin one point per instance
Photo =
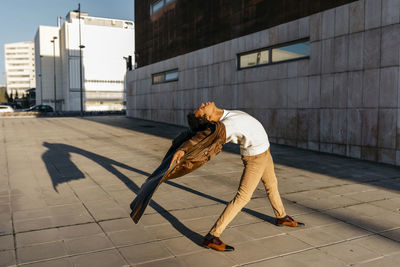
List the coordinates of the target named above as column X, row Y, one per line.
column 319, row 75
column 48, row 66
column 95, row 47
column 20, row 67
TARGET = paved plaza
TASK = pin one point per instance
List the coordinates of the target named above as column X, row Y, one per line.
column 66, row 185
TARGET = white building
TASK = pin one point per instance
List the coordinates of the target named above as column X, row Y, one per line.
column 106, row 42
column 20, row 67
column 46, row 54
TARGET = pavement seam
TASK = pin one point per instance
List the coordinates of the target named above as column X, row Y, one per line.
column 68, row 256
column 100, row 186
column 87, row 209
column 9, row 196
column 307, row 249
column 98, row 223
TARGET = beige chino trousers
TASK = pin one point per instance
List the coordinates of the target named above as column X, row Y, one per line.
column 255, row 168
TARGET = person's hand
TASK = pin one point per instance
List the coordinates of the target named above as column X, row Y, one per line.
column 177, row 157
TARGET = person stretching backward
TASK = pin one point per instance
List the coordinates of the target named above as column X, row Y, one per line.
column 248, row 132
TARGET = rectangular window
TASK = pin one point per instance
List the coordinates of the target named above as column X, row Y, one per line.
column 254, row 59
column 166, row 76
column 290, row 52
column 275, row 54
column 157, row 5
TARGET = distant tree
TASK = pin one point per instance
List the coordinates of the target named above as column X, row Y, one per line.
column 7, row 96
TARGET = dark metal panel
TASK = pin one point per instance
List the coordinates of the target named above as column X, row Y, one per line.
column 187, row 25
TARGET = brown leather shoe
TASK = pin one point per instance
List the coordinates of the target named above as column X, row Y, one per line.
column 214, row 242
column 288, row 221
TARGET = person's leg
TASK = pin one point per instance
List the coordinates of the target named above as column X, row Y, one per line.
column 271, row 186
column 253, row 170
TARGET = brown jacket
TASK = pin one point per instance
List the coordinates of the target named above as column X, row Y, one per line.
column 199, row 148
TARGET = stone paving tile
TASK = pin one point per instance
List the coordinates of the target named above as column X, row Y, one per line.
column 328, row 234
column 393, row 234
column 118, row 225
column 92, row 193
column 373, row 224
column 7, row 258
column 350, row 253
column 234, row 236
column 5, row 210
column 31, row 214
column 51, row 263
column 6, row 242
column 245, row 218
column 33, row 224
column 105, row 210
column 191, row 214
column 200, row 224
column 165, row 231
column 351, row 189
column 266, row 248
column 41, row 251
column 154, row 219
column 391, row 261
column 257, row 230
column 378, row 244
column 25, row 203
column 373, row 195
column 366, row 209
column 4, row 199
column 81, row 230
column 294, row 208
column 328, row 203
column 36, row 237
column 207, row 258
column 182, row 245
column 314, row 220
column 198, row 201
column 71, row 219
column 87, row 244
column 309, row 258
column 145, row 252
column 212, row 210
column 131, row 236
column 388, row 204
column 5, row 226
column 173, row 262
column 108, row 258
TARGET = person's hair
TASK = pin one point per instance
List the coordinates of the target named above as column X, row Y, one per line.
column 197, row 123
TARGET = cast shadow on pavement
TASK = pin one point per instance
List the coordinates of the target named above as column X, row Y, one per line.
column 341, row 167
column 61, row 169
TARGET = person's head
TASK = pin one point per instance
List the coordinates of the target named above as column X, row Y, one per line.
column 207, row 110
column 197, row 123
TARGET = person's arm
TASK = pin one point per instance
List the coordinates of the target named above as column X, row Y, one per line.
column 177, row 157
column 188, row 144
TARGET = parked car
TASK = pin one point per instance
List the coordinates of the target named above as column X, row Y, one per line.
column 5, row 108
column 40, row 108
column 15, row 106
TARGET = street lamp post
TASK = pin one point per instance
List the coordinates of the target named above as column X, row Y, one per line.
column 54, row 65
column 41, row 81
column 80, row 56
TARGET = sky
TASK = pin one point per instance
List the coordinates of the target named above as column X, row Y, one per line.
column 20, row 19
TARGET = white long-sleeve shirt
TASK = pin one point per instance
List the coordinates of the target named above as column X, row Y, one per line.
column 248, row 132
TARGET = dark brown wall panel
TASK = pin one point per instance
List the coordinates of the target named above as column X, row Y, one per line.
column 187, row 25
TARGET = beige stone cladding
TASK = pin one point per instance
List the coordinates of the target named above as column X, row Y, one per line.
column 343, row 99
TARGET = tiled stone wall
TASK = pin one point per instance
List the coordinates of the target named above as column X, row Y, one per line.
column 345, row 99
